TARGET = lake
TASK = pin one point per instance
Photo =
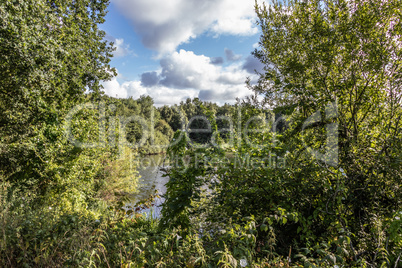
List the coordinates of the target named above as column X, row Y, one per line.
column 151, row 179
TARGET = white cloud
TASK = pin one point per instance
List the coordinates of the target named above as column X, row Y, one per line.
column 112, row 88
column 184, row 69
column 184, row 75
column 227, row 95
column 161, row 95
column 122, row 49
column 163, row 25
column 231, row 56
column 236, row 18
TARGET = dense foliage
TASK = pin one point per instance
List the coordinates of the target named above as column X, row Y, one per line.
column 331, row 192
column 51, row 54
column 305, row 173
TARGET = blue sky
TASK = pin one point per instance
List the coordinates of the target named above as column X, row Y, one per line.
column 178, row 49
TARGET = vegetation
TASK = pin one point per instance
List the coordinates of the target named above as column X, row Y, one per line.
column 306, row 173
column 331, row 195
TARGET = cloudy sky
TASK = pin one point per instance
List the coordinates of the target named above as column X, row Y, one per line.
column 178, row 49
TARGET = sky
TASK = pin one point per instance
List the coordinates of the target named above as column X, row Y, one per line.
column 172, row 50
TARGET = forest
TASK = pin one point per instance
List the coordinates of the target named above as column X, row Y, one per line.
column 305, row 172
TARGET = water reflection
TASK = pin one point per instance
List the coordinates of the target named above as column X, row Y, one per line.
column 151, row 180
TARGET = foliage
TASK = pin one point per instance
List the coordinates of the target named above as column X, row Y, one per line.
column 51, row 237
column 347, row 53
column 144, row 129
column 52, row 53
column 332, row 70
column 309, row 176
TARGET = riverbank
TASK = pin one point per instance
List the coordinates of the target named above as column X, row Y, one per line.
column 104, row 237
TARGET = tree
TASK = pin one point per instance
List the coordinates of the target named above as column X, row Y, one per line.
column 325, row 188
column 52, row 52
column 348, row 53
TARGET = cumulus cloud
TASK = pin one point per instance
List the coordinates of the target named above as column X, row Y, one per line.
column 122, row 49
column 230, row 56
column 161, row 95
column 225, row 95
column 149, row 79
column 112, row 88
column 251, row 64
column 216, row 60
column 183, row 75
column 163, row 25
column 184, row 69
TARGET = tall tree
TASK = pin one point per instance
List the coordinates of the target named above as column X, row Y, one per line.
column 52, row 52
column 348, row 53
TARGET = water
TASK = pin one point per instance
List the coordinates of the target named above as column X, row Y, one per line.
column 151, row 180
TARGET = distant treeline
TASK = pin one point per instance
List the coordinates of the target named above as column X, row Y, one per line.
column 192, row 115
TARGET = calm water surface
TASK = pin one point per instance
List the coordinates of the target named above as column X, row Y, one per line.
column 151, row 180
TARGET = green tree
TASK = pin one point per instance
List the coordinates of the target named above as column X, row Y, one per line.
column 347, row 53
column 52, row 52
column 332, row 73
